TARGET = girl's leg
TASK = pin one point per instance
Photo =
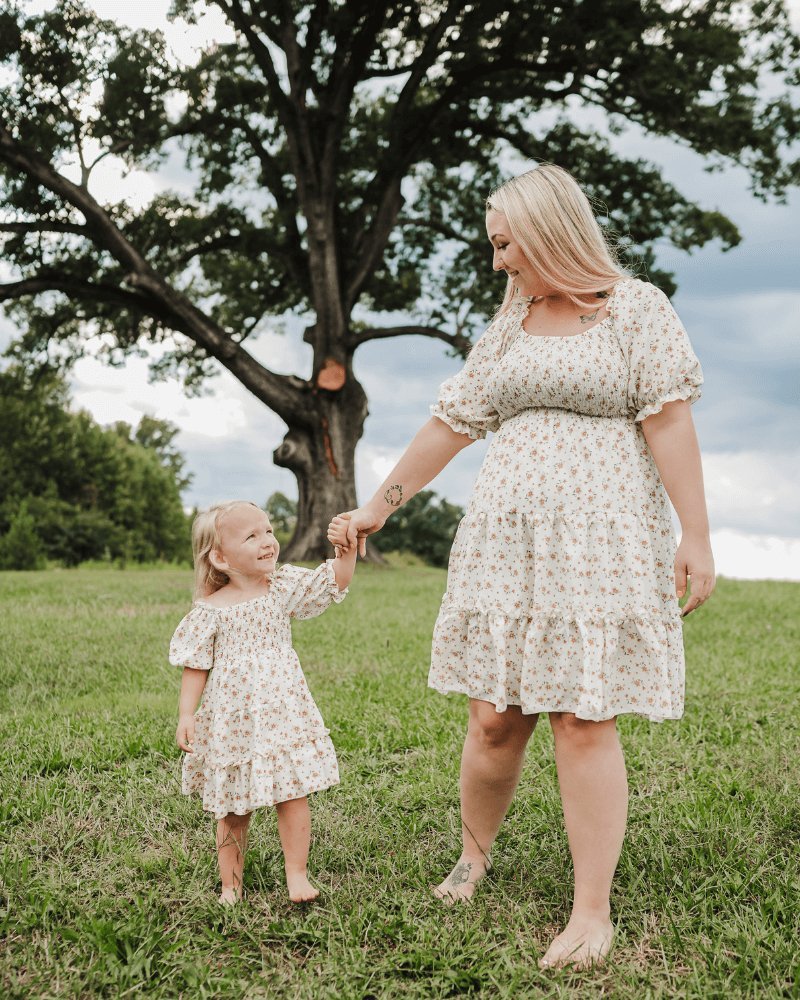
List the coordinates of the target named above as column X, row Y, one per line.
column 594, row 795
column 294, row 827
column 231, row 846
column 491, row 763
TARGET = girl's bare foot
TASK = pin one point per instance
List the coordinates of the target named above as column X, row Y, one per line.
column 229, row 896
column 460, row 884
column 300, row 889
column 584, row 942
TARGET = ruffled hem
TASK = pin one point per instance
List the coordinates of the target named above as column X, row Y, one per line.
column 574, row 708
column 260, row 779
column 594, row 665
column 689, row 393
column 459, row 426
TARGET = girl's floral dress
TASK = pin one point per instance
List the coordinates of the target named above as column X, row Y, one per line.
column 560, row 593
column 259, row 736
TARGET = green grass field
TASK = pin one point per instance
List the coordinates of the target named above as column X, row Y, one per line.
column 109, row 878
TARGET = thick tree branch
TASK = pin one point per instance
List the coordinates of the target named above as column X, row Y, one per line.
column 43, row 226
column 300, row 148
column 351, row 56
column 438, row 226
column 164, row 301
column 455, row 340
column 385, row 188
column 93, row 291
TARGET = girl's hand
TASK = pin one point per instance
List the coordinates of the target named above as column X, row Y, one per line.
column 694, row 560
column 353, row 527
column 184, row 735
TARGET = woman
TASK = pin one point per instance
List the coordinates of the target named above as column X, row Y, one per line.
column 564, row 580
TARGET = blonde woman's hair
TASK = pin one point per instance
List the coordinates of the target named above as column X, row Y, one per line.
column 205, row 537
column 552, row 221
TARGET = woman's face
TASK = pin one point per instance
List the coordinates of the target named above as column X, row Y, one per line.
column 508, row 256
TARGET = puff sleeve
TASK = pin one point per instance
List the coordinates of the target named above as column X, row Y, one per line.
column 193, row 642
column 463, row 402
column 306, row 593
column 663, row 366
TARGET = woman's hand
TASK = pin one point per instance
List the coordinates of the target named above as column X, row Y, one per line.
column 353, row 527
column 184, row 735
column 694, row 560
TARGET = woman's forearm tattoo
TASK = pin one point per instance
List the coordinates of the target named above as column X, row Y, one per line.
column 394, row 495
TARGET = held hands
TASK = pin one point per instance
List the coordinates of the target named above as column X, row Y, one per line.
column 695, row 562
column 352, row 527
column 184, row 735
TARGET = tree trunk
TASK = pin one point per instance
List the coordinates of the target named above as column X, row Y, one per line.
column 321, row 454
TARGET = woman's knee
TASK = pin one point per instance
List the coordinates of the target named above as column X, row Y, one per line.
column 579, row 734
column 493, row 729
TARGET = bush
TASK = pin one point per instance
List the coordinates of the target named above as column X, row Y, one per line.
column 21, row 547
column 425, row 526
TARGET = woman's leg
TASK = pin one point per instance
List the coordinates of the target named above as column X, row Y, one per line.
column 491, row 763
column 594, row 795
column 231, row 847
column 294, row 827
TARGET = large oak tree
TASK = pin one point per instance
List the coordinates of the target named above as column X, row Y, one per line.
column 341, row 152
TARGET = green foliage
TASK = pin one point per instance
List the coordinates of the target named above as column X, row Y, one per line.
column 283, row 516
column 109, row 875
column 92, row 493
column 21, row 546
column 425, row 526
column 402, row 118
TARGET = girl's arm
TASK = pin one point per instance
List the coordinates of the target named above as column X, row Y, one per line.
column 344, row 566
column 193, row 684
column 671, row 437
column 425, row 457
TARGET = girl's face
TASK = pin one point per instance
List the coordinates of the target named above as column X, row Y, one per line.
column 509, row 257
column 248, row 548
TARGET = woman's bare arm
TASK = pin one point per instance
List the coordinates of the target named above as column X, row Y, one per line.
column 671, row 437
column 429, row 452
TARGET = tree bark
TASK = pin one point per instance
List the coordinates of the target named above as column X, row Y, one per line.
column 321, row 454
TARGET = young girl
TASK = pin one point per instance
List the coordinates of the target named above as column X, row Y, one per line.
column 258, row 738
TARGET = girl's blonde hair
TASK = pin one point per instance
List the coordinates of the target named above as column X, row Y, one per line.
column 205, row 537
column 552, row 221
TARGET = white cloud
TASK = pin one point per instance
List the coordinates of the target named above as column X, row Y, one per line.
column 756, row 557
column 754, row 491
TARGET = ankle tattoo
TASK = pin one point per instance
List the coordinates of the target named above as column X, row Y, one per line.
column 460, row 874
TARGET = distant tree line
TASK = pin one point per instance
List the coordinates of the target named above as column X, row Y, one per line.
column 424, row 526
column 71, row 490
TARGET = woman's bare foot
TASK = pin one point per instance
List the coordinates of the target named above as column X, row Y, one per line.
column 460, row 884
column 300, row 889
column 229, row 895
column 584, row 942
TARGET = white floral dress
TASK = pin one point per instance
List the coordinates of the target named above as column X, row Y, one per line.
column 259, row 736
column 560, row 592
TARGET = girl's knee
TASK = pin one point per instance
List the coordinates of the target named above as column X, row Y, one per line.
column 493, row 729
column 233, row 821
column 581, row 733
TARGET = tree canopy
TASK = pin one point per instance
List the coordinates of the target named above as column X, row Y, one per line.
column 341, row 153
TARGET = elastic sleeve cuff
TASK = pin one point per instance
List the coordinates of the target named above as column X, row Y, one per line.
column 688, row 393
column 459, row 426
column 336, row 595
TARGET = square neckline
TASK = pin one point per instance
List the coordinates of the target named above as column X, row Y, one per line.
column 526, row 300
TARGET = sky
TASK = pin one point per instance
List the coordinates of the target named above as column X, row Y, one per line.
column 741, row 309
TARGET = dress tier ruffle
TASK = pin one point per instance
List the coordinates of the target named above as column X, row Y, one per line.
column 257, row 771
column 560, row 593
column 526, row 636
column 259, row 736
